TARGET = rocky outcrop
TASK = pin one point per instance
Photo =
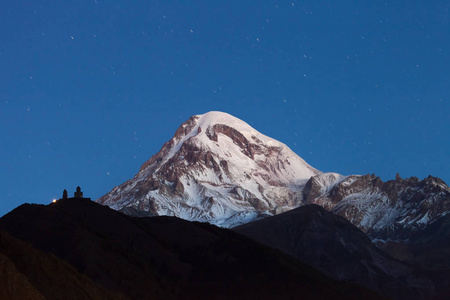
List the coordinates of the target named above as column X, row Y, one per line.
column 391, row 210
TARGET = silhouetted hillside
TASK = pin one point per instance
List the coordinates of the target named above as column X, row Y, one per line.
column 27, row 273
column 168, row 258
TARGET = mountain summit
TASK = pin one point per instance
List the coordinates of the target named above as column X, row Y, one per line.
column 218, row 169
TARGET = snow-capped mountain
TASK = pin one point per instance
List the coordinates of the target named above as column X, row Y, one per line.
column 220, row 170
column 217, row 169
column 391, row 210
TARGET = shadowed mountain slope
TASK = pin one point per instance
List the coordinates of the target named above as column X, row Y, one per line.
column 333, row 245
column 429, row 250
column 166, row 257
column 28, row 273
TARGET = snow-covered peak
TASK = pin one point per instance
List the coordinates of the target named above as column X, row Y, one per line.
column 233, row 140
column 212, row 118
column 216, row 168
column 218, row 117
column 219, row 169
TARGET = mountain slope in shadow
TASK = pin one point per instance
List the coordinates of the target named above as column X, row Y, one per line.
column 333, row 245
column 166, row 257
column 28, row 273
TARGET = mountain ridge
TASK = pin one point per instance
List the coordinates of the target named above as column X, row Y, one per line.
column 218, row 169
column 391, row 210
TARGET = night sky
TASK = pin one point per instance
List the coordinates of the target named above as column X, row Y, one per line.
column 90, row 90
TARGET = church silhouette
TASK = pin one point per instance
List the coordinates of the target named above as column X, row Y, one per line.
column 77, row 195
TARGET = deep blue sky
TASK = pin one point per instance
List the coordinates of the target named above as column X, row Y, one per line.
column 89, row 90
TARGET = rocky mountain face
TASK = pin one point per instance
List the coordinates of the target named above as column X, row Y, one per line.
column 217, row 169
column 77, row 249
column 392, row 210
